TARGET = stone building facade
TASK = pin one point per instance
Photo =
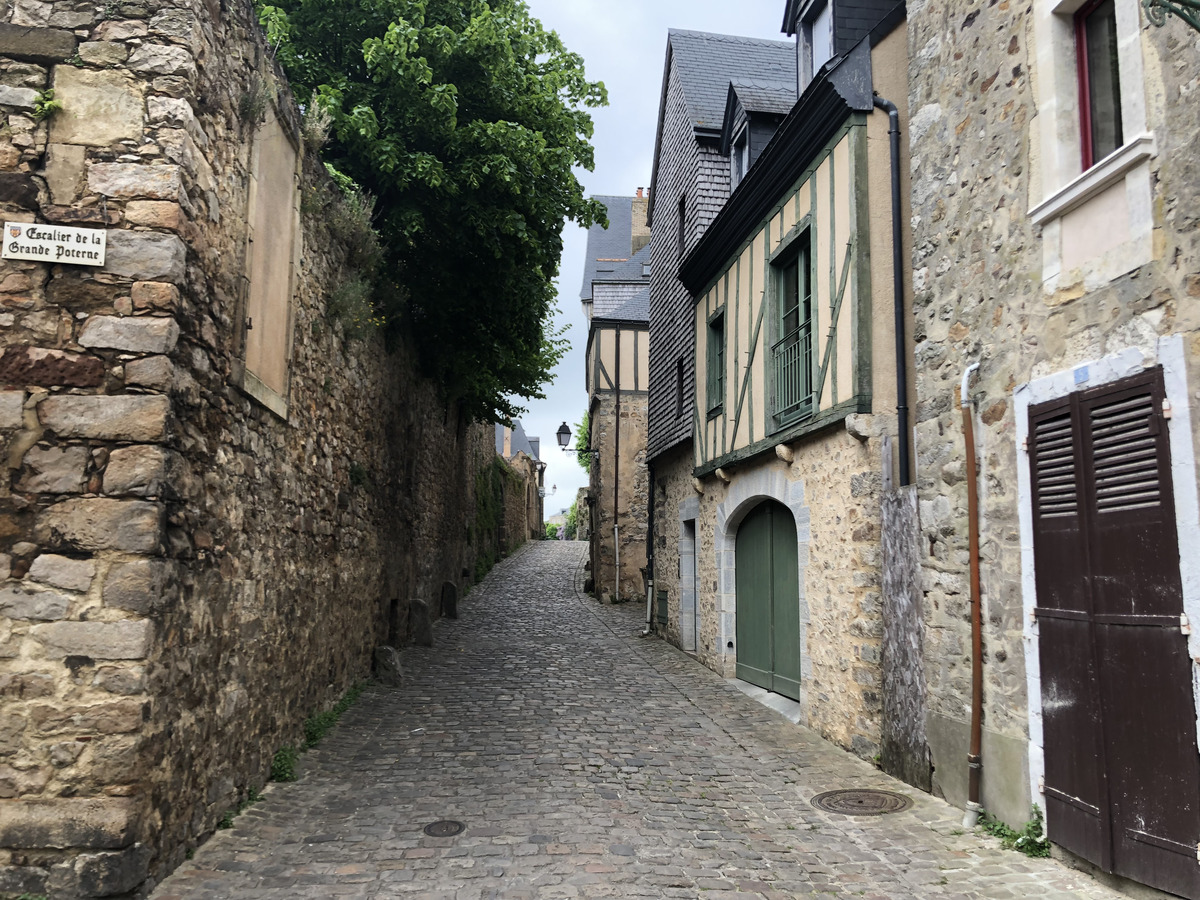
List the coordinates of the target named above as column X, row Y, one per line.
column 216, row 504
column 1065, row 275
column 523, row 486
column 615, row 298
column 689, row 185
column 814, row 196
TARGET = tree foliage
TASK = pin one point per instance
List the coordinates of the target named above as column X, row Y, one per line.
column 572, row 525
column 464, row 119
column 583, row 441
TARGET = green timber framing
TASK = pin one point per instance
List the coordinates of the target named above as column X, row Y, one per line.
column 713, row 428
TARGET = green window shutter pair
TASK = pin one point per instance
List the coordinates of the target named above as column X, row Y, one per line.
column 715, row 392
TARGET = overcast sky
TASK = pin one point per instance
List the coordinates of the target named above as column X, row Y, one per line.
column 623, row 43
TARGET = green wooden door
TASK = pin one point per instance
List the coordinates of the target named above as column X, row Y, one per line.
column 768, row 600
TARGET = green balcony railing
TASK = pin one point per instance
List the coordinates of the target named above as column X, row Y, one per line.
column 792, row 358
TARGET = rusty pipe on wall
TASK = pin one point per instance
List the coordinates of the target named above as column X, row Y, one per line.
column 974, row 756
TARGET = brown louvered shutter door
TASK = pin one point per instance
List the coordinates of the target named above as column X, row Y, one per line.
column 1142, row 655
column 1120, row 720
column 1074, row 781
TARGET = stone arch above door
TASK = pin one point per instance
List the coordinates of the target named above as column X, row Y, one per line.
column 746, row 491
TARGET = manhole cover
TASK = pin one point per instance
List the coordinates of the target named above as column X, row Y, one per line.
column 444, row 828
column 861, row 802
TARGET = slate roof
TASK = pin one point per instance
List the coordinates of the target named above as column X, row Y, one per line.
column 764, row 96
column 635, row 310
column 631, row 269
column 609, row 243
column 520, row 441
column 707, row 63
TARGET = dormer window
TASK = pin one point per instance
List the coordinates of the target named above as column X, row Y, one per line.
column 818, row 35
column 739, row 159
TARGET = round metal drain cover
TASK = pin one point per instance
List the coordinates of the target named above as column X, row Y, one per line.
column 445, row 828
column 861, row 802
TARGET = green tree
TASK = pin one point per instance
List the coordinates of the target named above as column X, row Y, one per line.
column 583, row 440
column 572, row 525
column 464, row 119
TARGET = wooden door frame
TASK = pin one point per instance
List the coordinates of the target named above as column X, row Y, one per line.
column 1171, row 355
column 750, row 487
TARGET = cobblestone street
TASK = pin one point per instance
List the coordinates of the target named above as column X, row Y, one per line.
column 586, row 761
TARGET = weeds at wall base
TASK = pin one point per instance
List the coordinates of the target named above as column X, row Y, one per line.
column 316, row 726
column 1030, row 840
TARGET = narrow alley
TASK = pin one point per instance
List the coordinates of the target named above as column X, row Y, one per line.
column 582, row 762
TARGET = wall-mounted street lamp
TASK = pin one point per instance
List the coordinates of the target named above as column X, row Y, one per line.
column 564, row 438
column 1188, row 10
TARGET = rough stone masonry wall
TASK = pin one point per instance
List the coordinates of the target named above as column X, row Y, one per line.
column 632, row 490
column 188, row 576
column 977, row 274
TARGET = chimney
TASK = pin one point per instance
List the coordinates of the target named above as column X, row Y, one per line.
column 640, row 230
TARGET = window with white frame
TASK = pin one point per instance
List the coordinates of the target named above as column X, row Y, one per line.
column 1093, row 143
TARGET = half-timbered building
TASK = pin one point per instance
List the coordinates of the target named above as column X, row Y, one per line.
column 616, row 300
column 790, row 326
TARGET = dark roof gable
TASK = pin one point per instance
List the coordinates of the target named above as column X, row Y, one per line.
column 608, row 248
column 746, row 98
column 705, row 64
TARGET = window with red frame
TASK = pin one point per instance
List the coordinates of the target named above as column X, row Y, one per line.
column 1099, row 80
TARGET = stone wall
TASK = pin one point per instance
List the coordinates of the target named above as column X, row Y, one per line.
column 189, row 575
column 632, row 493
column 985, row 292
column 832, row 487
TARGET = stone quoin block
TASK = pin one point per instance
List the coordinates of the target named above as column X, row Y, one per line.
column 138, row 586
column 99, row 107
column 54, row 470
column 117, row 717
column 154, row 295
column 36, row 44
column 134, row 526
column 22, row 601
column 135, row 180
column 150, row 371
column 131, row 334
column 99, row 640
column 63, row 823
column 125, row 417
column 63, row 572
column 145, row 256
column 156, row 59
column 142, row 470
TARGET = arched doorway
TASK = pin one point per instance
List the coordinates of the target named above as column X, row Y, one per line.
column 768, row 600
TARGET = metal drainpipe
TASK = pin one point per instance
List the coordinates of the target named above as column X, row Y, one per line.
column 974, row 758
column 650, row 554
column 905, row 439
column 617, row 476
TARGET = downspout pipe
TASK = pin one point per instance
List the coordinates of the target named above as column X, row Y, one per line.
column 650, row 555
column 617, row 476
column 905, row 438
column 974, row 756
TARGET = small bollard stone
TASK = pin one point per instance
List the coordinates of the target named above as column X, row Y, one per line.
column 388, row 670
